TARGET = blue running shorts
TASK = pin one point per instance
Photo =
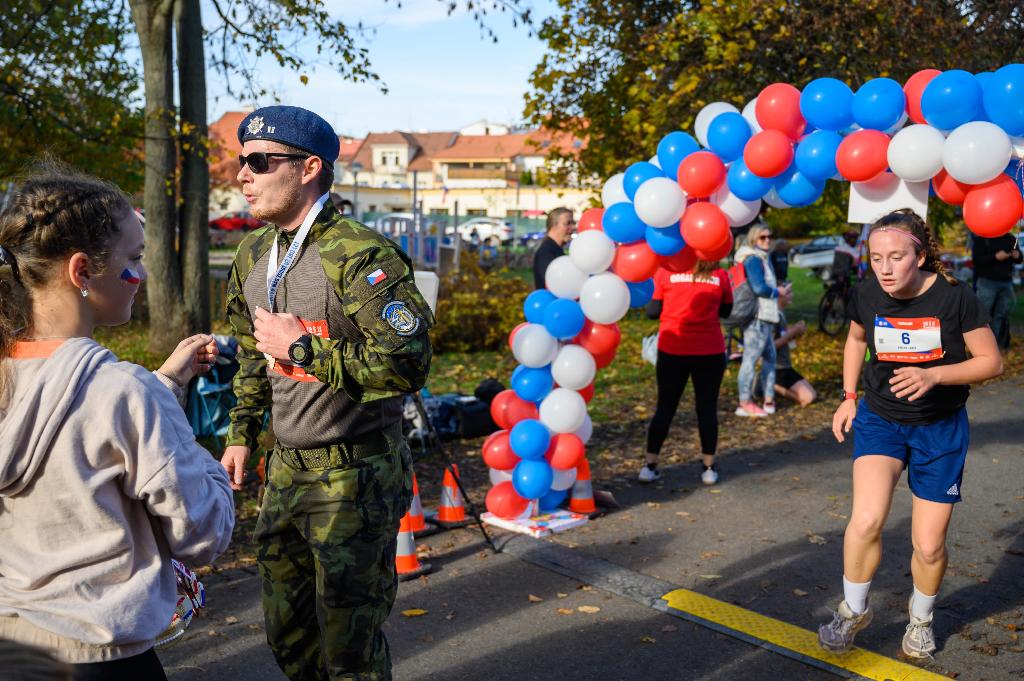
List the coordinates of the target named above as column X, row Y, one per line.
column 933, row 455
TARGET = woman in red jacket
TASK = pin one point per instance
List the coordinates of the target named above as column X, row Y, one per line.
column 690, row 343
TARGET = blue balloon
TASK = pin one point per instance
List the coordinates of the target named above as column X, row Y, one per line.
column 621, row 224
column 951, row 99
column 816, row 154
column 665, row 240
column 532, row 384
column 532, row 479
column 1004, row 98
column 553, row 499
column 879, row 104
column 637, row 174
column 564, row 318
column 672, row 149
column 640, row 292
column 728, row 134
column 529, row 439
column 536, row 303
column 796, row 189
column 826, row 102
column 745, row 184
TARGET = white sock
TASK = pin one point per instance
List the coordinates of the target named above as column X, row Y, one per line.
column 921, row 606
column 856, row 595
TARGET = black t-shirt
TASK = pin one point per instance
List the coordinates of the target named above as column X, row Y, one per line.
column 546, row 252
column 925, row 331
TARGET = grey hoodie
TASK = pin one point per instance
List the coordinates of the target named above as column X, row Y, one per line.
column 101, row 482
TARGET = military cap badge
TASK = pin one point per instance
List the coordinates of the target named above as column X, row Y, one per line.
column 255, row 125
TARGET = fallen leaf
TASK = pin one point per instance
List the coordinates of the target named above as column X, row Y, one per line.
column 534, row 599
column 985, row 649
column 564, row 611
column 682, row 513
column 589, row 609
column 584, row 587
column 254, row 627
column 231, row 620
column 799, row 592
column 653, row 504
column 561, row 595
column 647, row 639
column 714, row 491
column 669, row 627
column 450, row 616
column 816, row 538
column 796, row 478
column 710, row 576
column 413, row 612
column 709, row 554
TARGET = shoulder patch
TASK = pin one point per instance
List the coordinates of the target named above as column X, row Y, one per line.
column 400, row 318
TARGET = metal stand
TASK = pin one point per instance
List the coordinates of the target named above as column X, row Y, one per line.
column 435, row 441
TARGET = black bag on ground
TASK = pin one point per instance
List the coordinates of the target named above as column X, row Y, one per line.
column 488, row 390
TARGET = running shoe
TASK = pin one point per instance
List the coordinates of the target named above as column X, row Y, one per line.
column 837, row 635
column 709, row 475
column 751, row 409
column 769, row 407
column 648, row 474
column 919, row 641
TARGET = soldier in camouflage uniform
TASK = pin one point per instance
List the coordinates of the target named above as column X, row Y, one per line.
column 332, row 331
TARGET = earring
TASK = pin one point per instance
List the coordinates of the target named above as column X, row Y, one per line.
column 85, row 293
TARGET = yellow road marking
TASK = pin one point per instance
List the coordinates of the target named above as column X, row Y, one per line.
column 790, row 637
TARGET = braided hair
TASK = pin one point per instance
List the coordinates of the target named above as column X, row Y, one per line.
column 55, row 213
column 909, row 221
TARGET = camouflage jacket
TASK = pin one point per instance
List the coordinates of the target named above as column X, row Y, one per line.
column 369, row 334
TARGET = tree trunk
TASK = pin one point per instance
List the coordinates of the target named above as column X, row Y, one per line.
column 195, row 169
column 168, row 323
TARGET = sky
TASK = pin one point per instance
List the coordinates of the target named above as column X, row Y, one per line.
column 441, row 73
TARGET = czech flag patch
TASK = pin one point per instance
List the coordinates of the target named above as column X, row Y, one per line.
column 130, row 276
column 375, row 277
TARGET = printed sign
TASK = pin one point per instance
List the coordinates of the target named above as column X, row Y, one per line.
column 916, row 339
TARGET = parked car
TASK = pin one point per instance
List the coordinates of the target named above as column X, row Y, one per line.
column 817, row 255
column 485, row 229
column 230, row 222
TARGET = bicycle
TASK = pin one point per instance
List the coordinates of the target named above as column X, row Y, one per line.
column 832, row 310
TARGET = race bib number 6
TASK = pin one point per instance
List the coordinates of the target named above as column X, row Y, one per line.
column 915, row 339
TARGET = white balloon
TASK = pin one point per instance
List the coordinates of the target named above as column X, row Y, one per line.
column 499, row 476
column 751, row 116
column 604, row 298
column 574, row 368
column 915, row 153
column 773, row 199
column 563, row 278
column 655, row 162
column 659, row 202
column 613, row 191
column 534, row 347
column 738, row 211
column 563, row 410
column 585, row 431
column 976, row 152
column 592, row 251
column 563, row 479
column 708, row 114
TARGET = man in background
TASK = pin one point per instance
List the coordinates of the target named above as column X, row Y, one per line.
column 993, row 278
column 560, row 227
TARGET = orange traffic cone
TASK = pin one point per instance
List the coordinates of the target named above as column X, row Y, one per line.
column 451, row 513
column 407, row 563
column 418, row 523
column 582, row 498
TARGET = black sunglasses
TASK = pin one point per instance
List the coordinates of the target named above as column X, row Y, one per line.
column 259, row 161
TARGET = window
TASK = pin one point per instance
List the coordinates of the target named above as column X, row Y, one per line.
column 477, row 212
column 439, row 211
column 389, row 158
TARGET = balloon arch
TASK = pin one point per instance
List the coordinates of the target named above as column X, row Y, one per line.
column 965, row 138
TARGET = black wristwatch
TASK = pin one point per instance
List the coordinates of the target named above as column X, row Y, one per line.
column 301, row 351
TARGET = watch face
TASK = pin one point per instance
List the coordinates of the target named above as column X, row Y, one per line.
column 298, row 353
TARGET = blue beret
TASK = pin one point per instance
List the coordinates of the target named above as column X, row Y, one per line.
column 294, row 126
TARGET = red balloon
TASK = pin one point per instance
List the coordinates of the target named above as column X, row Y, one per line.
column 913, row 89
column 497, row 452
column 949, row 190
column 504, row 502
column 591, row 219
column 565, row 451
column 778, row 108
column 512, row 334
column 604, row 359
column 704, row 226
column 716, row 254
column 767, row 153
column 508, row 409
column 599, row 339
column 683, row 261
column 701, row 174
column 635, row 262
column 993, row 209
column 587, row 393
column 862, row 155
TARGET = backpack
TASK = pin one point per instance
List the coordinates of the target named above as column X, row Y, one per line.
column 744, row 302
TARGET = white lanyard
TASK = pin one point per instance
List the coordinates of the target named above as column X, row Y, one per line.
column 274, row 279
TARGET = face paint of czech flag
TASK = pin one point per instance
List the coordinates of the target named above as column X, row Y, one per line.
column 130, row 276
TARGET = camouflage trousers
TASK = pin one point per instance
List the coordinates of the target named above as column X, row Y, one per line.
column 326, row 550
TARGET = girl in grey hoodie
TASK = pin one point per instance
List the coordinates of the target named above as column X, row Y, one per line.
column 101, row 479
